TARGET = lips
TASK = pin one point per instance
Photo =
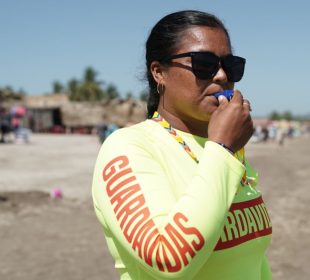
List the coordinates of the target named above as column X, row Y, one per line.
column 213, row 91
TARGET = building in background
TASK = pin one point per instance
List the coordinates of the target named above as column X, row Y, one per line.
column 56, row 113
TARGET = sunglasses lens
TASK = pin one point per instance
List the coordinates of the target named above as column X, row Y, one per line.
column 233, row 67
column 205, row 65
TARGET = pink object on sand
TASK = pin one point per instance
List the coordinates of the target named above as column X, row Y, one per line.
column 56, row 193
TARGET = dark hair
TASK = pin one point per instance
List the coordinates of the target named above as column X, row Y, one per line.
column 163, row 41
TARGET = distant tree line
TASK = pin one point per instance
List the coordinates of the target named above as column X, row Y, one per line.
column 89, row 88
column 287, row 115
column 8, row 93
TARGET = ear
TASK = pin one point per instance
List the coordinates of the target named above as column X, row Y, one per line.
column 157, row 71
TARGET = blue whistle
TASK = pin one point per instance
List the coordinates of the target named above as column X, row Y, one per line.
column 228, row 93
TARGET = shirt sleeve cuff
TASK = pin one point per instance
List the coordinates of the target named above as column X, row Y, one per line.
column 216, row 150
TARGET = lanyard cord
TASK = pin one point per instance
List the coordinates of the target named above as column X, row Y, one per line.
column 159, row 119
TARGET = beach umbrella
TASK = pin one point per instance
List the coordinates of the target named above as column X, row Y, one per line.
column 18, row 111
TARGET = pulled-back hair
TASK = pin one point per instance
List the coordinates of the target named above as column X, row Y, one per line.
column 164, row 39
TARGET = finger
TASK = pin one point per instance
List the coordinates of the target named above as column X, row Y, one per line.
column 247, row 104
column 222, row 100
column 237, row 98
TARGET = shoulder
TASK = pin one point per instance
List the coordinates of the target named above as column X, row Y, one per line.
column 133, row 134
column 134, row 140
column 134, row 143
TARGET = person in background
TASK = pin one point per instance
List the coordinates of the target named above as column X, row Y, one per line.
column 174, row 194
column 101, row 131
column 5, row 126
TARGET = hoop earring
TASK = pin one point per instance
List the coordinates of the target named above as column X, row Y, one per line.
column 160, row 88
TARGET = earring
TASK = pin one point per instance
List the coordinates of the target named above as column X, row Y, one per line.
column 160, row 88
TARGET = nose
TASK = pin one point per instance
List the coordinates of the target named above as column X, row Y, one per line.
column 220, row 76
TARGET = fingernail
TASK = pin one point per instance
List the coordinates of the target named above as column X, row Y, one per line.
column 221, row 97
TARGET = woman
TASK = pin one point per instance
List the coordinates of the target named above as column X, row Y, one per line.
column 174, row 194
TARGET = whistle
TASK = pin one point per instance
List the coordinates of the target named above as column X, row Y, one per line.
column 228, row 93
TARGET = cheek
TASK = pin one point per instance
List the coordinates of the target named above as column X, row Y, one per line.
column 183, row 83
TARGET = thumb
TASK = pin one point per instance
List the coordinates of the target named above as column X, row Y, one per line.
column 237, row 97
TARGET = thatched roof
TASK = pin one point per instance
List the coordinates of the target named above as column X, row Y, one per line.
column 122, row 113
column 138, row 112
column 45, row 101
column 78, row 114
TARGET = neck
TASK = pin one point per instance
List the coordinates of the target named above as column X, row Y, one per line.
column 195, row 127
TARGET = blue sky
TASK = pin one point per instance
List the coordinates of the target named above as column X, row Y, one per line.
column 47, row 40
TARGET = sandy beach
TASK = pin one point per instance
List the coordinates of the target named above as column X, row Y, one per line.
column 45, row 238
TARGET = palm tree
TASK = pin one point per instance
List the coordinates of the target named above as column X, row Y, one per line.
column 274, row 115
column 73, row 86
column 112, row 92
column 57, row 87
column 287, row 115
column 91, row 89
column 87, row 90
column 90, row 75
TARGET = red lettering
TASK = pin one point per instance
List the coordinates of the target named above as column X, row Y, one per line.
column 139, row 230
column 111, row 182
column 252, row 227
column 252, row 222
column 182, row 246
column 110, row 168
column 139, row 218
column 139, row 238
column 267, row 215
column 260, row 207
column 158, row 258
column 258, row 217
column 121, row 197
column 128, row 209
column 178, row 217
column 150, row 247
column 166, row 246
column 111, row 190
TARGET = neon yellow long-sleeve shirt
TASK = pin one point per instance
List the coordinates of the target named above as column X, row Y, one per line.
column 166, row 217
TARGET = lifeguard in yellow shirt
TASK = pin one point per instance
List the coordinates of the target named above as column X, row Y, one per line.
column 174, row 193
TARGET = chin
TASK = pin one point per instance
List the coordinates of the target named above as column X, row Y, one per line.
column 208, row 111
column 205, row 116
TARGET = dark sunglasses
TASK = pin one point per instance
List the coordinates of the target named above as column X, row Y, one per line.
column 205, row 65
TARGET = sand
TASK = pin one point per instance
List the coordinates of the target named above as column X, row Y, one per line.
column 45, row 238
